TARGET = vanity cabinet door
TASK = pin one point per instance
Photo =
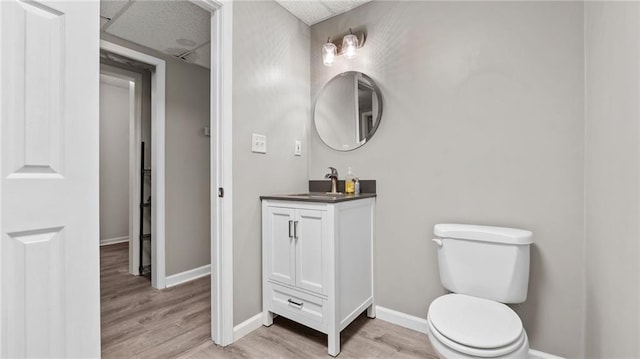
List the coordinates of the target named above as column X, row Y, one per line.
column 280, row 248
column 311, row 252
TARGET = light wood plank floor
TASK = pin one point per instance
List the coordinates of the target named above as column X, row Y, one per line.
column 141, row 322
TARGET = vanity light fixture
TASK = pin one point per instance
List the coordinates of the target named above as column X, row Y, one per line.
column 329, row 52
column 348, row 47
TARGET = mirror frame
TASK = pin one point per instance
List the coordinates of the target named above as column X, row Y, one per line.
column 376, row 89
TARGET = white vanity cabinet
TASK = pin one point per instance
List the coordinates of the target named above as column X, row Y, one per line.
column 317, row 263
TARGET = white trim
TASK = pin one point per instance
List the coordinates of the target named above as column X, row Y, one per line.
column 422, row 325
column 536, row 354
column 158, row 88
column 135, row 137
column 222, row 330
column 116, row 240
column 247, row 326
column 2, row 120
column 402, row 319
column 187, row 276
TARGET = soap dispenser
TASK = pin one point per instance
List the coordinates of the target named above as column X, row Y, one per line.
column 349, row 182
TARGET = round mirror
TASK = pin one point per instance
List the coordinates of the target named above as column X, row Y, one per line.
column 348, row 111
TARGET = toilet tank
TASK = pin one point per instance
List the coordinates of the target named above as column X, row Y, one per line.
column 482, row 261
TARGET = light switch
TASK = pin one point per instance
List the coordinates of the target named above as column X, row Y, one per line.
column 298, row 148
column 258, row 143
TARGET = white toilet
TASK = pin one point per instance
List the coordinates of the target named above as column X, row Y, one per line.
column 483, row 267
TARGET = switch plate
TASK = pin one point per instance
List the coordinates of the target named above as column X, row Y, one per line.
column 258, row 143
column 298, row 148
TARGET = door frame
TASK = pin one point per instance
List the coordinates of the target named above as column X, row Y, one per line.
column 158, row 100
column 221, row 125
column 135, row 137
column 222, row 332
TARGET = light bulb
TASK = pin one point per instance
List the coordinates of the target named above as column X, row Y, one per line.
column 349, row 46
column 328, row 53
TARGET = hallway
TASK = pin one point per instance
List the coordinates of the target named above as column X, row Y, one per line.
column 140, row 321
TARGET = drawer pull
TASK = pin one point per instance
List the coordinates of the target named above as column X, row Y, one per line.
column 297, row 304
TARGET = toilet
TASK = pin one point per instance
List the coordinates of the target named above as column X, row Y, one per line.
column 483, row 267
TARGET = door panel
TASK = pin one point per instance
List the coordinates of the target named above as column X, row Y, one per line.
column 281, row 254
column 309, row 248
column 49, row 264
column 35, row 127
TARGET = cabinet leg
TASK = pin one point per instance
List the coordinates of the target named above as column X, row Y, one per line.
column 371, row 311
column 267, row 318
column 334, row 344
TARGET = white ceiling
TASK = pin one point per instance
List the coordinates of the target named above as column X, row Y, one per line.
column 314, row 11
column 181, row 29
column 175, row 28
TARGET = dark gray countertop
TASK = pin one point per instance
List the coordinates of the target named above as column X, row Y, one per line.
column 321, row 197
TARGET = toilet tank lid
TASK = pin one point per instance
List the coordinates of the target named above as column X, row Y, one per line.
column 483, row 233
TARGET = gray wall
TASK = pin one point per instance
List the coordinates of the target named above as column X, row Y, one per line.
column 270, row 97
column 114, row 158
column 483, row 123
column 187, row 162
column 612, row 180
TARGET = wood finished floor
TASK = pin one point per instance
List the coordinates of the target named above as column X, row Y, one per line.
column 141, row 322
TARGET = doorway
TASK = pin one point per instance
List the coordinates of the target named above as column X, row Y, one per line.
column 145, row 212
column 219, row 127
column 125, row 158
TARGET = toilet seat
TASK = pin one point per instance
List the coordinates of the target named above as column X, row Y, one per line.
column 475, row 326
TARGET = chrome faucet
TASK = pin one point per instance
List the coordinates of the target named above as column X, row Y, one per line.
column 334, row 179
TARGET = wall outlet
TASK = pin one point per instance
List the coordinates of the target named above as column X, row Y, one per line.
column 298, row 148
column 258, row 143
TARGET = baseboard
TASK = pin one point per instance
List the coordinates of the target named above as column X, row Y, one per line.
column 421, row 325
column 247, row 326
column 536, row 354
column 187, row 276
column 404, row 320
column 109, row 241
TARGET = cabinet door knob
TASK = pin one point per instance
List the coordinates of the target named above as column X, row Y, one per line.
column 290, row 234
column 295, row 230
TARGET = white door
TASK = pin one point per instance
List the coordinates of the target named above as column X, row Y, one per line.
column 280, row 251
column 310, row 251
column 49, row 264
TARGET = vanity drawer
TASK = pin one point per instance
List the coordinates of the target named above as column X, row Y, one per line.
column 297, row 306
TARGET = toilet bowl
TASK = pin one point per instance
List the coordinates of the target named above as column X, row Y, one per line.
column 462, row 326
column 483, row 267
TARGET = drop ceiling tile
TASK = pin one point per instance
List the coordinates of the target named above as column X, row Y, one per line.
column 338, row 7
column 310, row 12
column 314, row 11
column 171, row 27
column 109, row 8
column 201, row 56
